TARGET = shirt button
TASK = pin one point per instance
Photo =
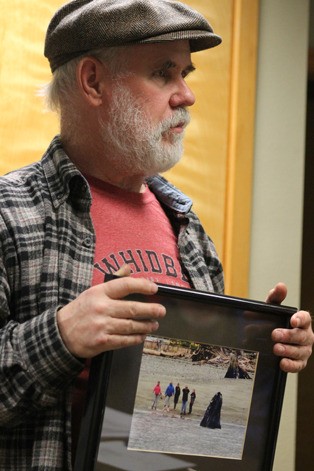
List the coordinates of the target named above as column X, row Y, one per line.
column 88, row 242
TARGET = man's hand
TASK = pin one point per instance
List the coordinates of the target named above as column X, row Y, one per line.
column 295, row 344
column 99, row 319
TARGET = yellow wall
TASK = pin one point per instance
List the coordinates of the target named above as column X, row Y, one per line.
column 25, row 130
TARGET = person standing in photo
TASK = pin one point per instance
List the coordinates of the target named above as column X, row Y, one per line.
column 192, row 400
column 157, row 394
column 185, row 398
column 168, row 395
column 177, row 393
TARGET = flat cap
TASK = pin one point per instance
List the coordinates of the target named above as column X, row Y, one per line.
column 82, row 25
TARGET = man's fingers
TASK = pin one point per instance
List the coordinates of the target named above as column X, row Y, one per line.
column 119, row 333
column 301, row 332
column 292, row 366
column 133, row 310
column 114, row 342
column 295, row 357
column 277, row 294
column 291, row 336
column 122, row 287
column 295, row 344
column 301, row 319
column 294, row 352
column 129, row 327
column 125, row 270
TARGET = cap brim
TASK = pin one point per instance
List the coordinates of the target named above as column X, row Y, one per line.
column 199, row 40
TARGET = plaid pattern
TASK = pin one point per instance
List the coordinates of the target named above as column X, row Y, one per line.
column 46, row 260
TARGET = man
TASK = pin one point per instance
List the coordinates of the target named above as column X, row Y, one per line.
column 192, row 400
column 176, row 395
column 93, row 204
column 185, row 398
column 168, row 395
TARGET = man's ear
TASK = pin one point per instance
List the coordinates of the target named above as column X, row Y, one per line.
column 90, row 76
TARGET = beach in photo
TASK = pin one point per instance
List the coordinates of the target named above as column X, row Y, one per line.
column 222, row 380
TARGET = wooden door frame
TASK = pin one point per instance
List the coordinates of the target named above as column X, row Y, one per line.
column 236, row 248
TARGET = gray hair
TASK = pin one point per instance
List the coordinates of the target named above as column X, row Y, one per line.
column 62, row 87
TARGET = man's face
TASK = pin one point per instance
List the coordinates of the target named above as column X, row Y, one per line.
column 144, row 122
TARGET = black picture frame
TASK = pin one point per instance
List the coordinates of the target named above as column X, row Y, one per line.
column 230, row 323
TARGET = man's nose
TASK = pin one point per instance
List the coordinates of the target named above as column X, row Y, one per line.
column 182, row 96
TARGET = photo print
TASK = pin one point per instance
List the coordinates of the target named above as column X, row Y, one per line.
column 192, row 398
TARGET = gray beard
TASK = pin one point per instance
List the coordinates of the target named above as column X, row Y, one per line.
column 137, row 146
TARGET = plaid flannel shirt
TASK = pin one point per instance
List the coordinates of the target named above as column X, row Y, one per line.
column 46, row 259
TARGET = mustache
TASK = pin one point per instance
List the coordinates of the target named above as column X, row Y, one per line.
column 180, row 117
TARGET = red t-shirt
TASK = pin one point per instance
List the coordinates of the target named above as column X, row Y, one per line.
column 132, row 228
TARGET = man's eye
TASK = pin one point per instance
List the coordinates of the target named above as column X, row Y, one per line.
column 161, row 73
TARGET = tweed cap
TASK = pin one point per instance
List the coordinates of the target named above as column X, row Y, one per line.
column 82, row 25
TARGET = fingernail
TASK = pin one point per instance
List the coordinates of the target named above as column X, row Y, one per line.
column 298, row 321
column 278, row 335
column 161, row 310
column 155, row 325
column 153, row 287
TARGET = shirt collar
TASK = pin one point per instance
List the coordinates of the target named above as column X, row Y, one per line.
column 169, row 194
column 62, row 176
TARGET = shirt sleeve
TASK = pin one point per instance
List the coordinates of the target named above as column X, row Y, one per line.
column 35, row 366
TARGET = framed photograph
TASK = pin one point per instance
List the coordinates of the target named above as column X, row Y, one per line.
column 203, row 393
